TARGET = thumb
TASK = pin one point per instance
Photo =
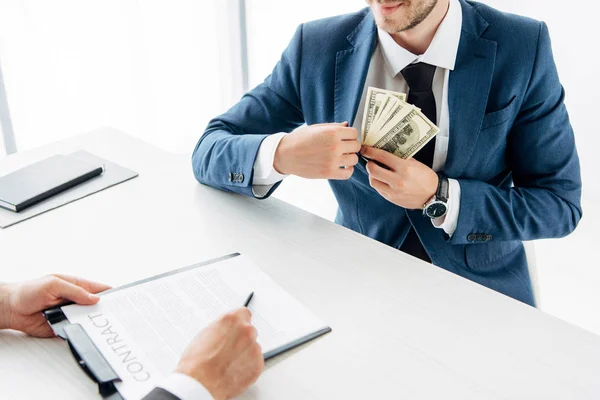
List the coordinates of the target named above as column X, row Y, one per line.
column 345, row 123
column 68, row 291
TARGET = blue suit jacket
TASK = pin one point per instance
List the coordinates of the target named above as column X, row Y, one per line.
column 508, row 126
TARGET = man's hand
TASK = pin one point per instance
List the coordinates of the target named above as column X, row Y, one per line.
column 318, row 152
column 225, row 357
column 407, row 183
column 21, row 304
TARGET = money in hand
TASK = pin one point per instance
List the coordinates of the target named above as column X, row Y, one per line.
column 393, row 125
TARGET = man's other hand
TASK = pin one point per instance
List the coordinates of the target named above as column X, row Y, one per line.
column 318, row 152
column 407, row 183
column 225, row 357
column 21, row 304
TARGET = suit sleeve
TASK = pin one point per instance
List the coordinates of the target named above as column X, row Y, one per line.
column 545, row 201
column 160, row 394
column 225, row 154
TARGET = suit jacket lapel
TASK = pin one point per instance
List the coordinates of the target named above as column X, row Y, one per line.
column 469, row 89
column 351, row 67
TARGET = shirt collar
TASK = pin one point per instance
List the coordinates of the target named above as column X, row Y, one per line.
column 441, row 52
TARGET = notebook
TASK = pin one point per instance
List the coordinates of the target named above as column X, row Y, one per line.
column 114, row 174
column 37, row 182
column 133, row 338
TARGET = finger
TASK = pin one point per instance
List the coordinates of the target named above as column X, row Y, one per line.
column 259, row 361
column 90, row 286
column 382, row 156
column 342, row 174
column 243, row 313
column 348, row 160
column 350, row 146
column 37, row 326
column 347, row 133
column 381, row 187
column 332, row 123
column 243, row 337
column 380, row 173
column 61, row 289
column 252, row 359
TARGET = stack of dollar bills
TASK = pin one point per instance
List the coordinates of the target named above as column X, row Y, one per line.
column 393, row 125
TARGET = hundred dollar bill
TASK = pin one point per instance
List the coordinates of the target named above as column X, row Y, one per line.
column 375, row 99
column 380, row 124
column 398, row 95
column 386, row 107
column 409, row 132
column 388, row 103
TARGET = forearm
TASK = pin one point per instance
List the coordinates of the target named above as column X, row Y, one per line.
column 226, row 161
column 5, row 309
column 517, row 213
column 231, row 142
column 226, row 153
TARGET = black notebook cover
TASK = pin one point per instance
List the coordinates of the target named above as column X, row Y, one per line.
column 37, row 182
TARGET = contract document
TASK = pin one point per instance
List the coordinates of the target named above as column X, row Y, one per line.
column 143, row 328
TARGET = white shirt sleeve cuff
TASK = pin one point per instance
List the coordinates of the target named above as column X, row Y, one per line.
column 264, row 172
column 185, row 387
column 449, row 221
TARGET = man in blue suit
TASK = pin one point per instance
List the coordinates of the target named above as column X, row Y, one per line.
column 503, row 169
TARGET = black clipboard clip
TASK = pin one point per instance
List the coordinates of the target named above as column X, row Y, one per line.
column 86, row 354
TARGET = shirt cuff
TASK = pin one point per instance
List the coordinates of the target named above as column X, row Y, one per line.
column 185, row 387
column 449, row 221
column 264, row 172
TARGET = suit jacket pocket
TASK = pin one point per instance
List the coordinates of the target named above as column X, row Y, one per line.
column 500, row 116
column 484, row 256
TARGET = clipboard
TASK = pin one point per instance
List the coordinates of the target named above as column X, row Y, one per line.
column 85, row 353
column 95, row 365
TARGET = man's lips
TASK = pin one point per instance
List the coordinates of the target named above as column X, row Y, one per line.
column 388, row 9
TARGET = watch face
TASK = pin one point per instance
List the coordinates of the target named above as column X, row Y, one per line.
column 436, row 209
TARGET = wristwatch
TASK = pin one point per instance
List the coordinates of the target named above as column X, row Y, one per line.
column 437, row 206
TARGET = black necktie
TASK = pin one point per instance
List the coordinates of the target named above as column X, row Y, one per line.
column 420, row 80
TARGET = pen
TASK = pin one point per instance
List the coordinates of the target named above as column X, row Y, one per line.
column 247, row 302
column 368, row 160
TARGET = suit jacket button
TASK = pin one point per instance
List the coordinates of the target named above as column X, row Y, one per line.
column 471, row 237
column 479, row 237
column 488, row 238
column 230, row 177
column 240, row 178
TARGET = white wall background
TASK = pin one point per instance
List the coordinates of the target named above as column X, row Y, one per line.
column 152, row 68
column 160, row 69
column 2, row 146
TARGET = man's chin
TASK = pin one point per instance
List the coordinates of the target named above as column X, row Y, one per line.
column 389, row 26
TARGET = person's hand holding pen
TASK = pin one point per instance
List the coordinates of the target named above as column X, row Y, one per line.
column 225, row 357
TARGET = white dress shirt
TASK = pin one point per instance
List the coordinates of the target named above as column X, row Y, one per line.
column 386, row 63
column 185, row 387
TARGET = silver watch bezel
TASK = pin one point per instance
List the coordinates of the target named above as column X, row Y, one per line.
column 431, row 202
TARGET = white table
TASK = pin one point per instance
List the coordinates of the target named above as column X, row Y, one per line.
column 402, row 329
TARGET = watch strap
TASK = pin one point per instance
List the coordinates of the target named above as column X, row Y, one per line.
column 442, row 193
